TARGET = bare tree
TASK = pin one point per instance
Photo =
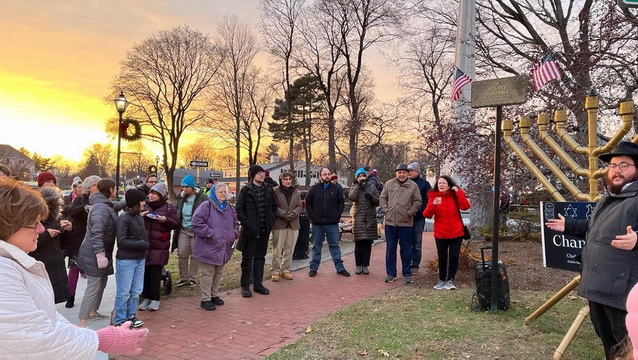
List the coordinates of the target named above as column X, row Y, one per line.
column 102, row 156
column 236, row 75
column 136, row 159
column 280, row 21
column 361, row 24
column 165, row 78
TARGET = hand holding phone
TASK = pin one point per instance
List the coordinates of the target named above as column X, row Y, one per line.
column 152, row 216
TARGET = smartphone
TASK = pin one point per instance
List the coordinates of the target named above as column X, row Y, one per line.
column 152, row 216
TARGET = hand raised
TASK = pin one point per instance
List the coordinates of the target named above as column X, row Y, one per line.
column 625, row 242
column 556, row 224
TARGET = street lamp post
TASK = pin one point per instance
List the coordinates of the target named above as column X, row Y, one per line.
column 120, row 105
column 157, row 159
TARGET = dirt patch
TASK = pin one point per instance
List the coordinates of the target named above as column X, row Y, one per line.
column 524, row 263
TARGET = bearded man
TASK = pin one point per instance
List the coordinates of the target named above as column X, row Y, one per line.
column 609, row 258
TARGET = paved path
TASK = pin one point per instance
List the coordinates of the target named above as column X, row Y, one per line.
column 255, row 327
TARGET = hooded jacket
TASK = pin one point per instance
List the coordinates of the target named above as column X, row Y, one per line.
column 100, row 236
column 608, row 273
column 30, row 326
column 49, row 250
column 447, row 221
column 364, row 211
column 132, row 239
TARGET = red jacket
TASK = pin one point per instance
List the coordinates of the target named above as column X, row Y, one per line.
column 447, row 222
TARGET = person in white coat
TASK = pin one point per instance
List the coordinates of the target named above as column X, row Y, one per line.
column 30, row 326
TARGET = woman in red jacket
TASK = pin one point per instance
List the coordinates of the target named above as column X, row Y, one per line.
column 444, row 204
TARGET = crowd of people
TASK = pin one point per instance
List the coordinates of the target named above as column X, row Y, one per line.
column 39, row 230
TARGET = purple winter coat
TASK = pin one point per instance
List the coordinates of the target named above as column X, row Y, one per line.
column 215, row 232
column 159, row 233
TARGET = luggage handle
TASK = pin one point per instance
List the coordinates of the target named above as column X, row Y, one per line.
column 483, row 248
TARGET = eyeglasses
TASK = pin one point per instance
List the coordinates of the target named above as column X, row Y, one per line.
column 34, row 227
column 622, row 166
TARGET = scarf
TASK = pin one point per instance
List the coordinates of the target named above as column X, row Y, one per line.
column 220, row 205
column 287, row 191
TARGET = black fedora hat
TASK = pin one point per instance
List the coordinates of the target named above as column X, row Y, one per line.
column 402, row 167
column 623, row 148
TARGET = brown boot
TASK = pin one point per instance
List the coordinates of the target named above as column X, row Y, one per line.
column 274, row 277
column 287, row 276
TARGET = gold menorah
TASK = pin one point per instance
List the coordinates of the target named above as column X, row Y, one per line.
column 592, row 173
column 592, row 150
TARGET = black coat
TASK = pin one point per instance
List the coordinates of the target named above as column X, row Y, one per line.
column 132, row 238
column 325, row 206
column 49, row 250
column 363, row 211
column 78, row 213
column 247, row 212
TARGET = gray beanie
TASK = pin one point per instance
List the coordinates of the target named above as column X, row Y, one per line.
column 415, row 166
column 160, row 188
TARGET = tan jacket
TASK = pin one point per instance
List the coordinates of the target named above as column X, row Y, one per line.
column 400, row 202
column 283, row 208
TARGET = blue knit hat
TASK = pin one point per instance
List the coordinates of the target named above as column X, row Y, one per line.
column 189, row 181
column 359, row 172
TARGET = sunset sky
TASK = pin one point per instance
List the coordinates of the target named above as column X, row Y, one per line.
column 59, row 57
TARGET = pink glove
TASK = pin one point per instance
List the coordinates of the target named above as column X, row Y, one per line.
column 121, row 340
column 632, row 319
column 102, row 261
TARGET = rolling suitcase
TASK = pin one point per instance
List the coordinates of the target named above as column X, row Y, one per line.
column 483, row 277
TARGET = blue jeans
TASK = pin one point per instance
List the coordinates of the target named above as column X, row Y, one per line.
column 332, row 233
column 129, row 280
column 401, row 235
column 417, row 241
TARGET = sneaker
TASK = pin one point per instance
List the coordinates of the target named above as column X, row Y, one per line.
column 260, row 289
column 154, row 305
column 98, row 316
column 245, row 292
column 344, row 272
column 70, row 302
column 408, row 280
column 365, row 271
column 287, row 276
column 440, row 285
column 135, row 322
column 217, row 301
column 415, row 270
column 274, row 277
column 207, row 305
column 389, row 279
column 358, row 270
column 312, row 273
column 449, row 285
column 191, row 283
column 144, row 305
column 181, row 283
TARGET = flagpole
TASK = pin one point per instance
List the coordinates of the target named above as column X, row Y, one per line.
column 465, row 45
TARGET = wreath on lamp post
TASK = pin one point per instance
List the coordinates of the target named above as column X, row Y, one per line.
column 130, row 130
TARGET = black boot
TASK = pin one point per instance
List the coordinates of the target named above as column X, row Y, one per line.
column 71, row 302
column 245, row 292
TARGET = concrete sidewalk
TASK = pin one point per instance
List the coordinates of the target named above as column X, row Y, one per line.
column 251, row 328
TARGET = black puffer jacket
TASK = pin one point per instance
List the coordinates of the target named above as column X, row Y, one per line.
column 132, row 238
column 78, row 213
column 49, row 249
column 363, row 211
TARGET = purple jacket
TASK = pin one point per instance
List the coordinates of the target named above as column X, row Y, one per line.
column 159, row 233
column 214, row 233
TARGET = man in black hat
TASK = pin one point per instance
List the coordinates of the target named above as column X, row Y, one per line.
column 400, row 200
column 256, row 211
column 209, row 184
column 609, row 257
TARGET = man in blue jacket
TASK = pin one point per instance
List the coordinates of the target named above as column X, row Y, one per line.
column 610, row 256
column 324, row 204
column 414, row 172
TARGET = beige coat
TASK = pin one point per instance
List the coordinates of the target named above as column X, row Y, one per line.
column 283, row 208
column 400, row 202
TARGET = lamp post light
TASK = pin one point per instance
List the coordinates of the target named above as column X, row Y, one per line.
column 157, row 159
column 120, row 105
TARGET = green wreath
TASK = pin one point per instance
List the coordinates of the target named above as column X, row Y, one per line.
column 130, row 130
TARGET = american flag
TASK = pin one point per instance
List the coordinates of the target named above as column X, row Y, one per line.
column 545, row 71
column 460, row 81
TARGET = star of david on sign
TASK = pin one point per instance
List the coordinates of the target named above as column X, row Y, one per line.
column 572, row 209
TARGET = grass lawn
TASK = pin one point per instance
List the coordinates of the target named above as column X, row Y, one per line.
column 412, row 322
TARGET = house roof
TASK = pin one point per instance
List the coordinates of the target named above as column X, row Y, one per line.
column 9, row 152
